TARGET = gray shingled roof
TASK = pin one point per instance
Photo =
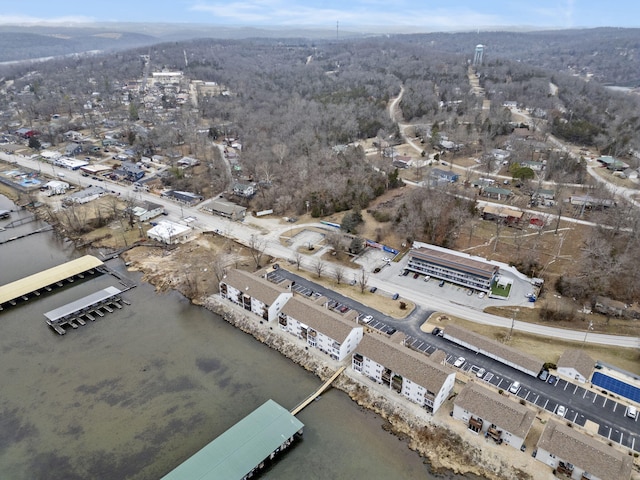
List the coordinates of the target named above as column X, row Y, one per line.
column 407, row 363
column 507, row 414
column 503, row 351
column 574, row 358
column 585, row 452
column 319, row 318
column 256, row 287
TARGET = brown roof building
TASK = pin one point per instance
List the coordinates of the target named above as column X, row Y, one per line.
column 574, row 453
column 509, row 420
column 452, row 267
column 409, row 373
column 576, row 365
column 493, row 349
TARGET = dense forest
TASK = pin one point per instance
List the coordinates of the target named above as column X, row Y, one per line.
column 303, row 111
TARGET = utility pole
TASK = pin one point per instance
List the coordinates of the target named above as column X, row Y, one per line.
column 513, row 321
column 589, row 328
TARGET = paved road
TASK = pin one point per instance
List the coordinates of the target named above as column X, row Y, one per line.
column 242, row 233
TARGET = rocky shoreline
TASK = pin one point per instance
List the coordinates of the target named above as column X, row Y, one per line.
column 444, row 450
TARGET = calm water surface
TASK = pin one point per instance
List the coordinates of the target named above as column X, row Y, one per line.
column 134, row 394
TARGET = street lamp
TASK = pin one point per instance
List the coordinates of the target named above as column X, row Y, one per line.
column 589, row 328
column 513, row 321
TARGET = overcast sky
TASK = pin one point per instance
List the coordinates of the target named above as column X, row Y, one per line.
column 396, row 15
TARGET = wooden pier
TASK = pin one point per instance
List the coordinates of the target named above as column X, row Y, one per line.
column 77, row 313
column 318, row 392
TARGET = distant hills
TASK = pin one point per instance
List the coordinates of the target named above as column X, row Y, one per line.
column 610, row 55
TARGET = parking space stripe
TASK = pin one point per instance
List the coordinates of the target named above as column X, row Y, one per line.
column 605, row 402
column 575, row 389
column 545, row 404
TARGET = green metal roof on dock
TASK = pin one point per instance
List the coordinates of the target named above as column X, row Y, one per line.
column 25, row 286
column 241, row 448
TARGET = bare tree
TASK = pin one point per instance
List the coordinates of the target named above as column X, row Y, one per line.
column 363, row 278
column 257, row 246
column 334, row 240
column 319, row 267
column 338, row 273
column 218, row 266
column 297, row 259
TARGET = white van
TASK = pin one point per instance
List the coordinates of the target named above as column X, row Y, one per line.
column 632, row 412
column 515, row 386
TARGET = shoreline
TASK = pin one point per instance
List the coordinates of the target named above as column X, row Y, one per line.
column 445, row 451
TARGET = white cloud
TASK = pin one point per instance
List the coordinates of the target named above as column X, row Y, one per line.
column 276, row 12
column 30, row 20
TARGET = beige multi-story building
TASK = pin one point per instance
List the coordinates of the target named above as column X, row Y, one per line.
column 254, row 294
column 487, row 412
column 320, row 327
column 411, row 374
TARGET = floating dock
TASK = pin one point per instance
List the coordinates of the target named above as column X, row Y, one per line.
column 245, row 448
column 13, row 292
column 77, row 312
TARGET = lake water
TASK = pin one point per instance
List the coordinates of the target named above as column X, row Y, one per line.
column 137, row 392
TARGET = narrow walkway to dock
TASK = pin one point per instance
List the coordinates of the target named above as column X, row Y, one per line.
column 318, row 392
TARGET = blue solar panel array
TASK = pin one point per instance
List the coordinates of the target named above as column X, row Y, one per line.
column 616, row 386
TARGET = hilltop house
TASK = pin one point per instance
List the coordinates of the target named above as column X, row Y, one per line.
column 575, row 365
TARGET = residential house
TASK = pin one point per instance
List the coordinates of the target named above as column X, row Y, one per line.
column 182, row 197
column 631, row 173
column 170, row 233
column 320, row 327
column 444, row 175
column 147, row 210
column 85, row 195
column 579, row 456
column 501, row 418
column 576, row 365
column 55, row 187
column 496, row 193
column 533, row 165
column 219, row 206
column 26, row 132
column 411, row 374
column 589, row 202
column 503, row 214
column 612, row 163
column 500, row 154
column 254, row 294
column 72, row 149
column 131, row 171
column 245, row 190
column 186, row 162
column 493, row 349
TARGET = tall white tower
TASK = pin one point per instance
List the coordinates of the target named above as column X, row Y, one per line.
column 477, row 58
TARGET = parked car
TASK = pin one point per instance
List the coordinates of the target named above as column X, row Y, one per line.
column 544, row 375
column 515, row 386
column 395, row 296
column 441, row 284
column 436, row 331
column 552, row 379
column 632, row 412
column 459, row 362
column 480, row 373
column 477, row 371
column 405, row 273
column 367, row 319
column 416, row 275
column 373, row 289
column 469, row 292
column 391, row 331
column 427, row 278
column 481, row 295
column 562, row 410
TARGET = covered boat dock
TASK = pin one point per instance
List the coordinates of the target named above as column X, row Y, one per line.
column 72, row 313
column 243, row 449
column 47, row 279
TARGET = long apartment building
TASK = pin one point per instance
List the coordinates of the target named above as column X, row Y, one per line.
column 453, row 267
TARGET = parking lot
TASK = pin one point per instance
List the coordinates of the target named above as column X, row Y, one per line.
column 373, row 258
column 306, row 238
column 580, row 404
